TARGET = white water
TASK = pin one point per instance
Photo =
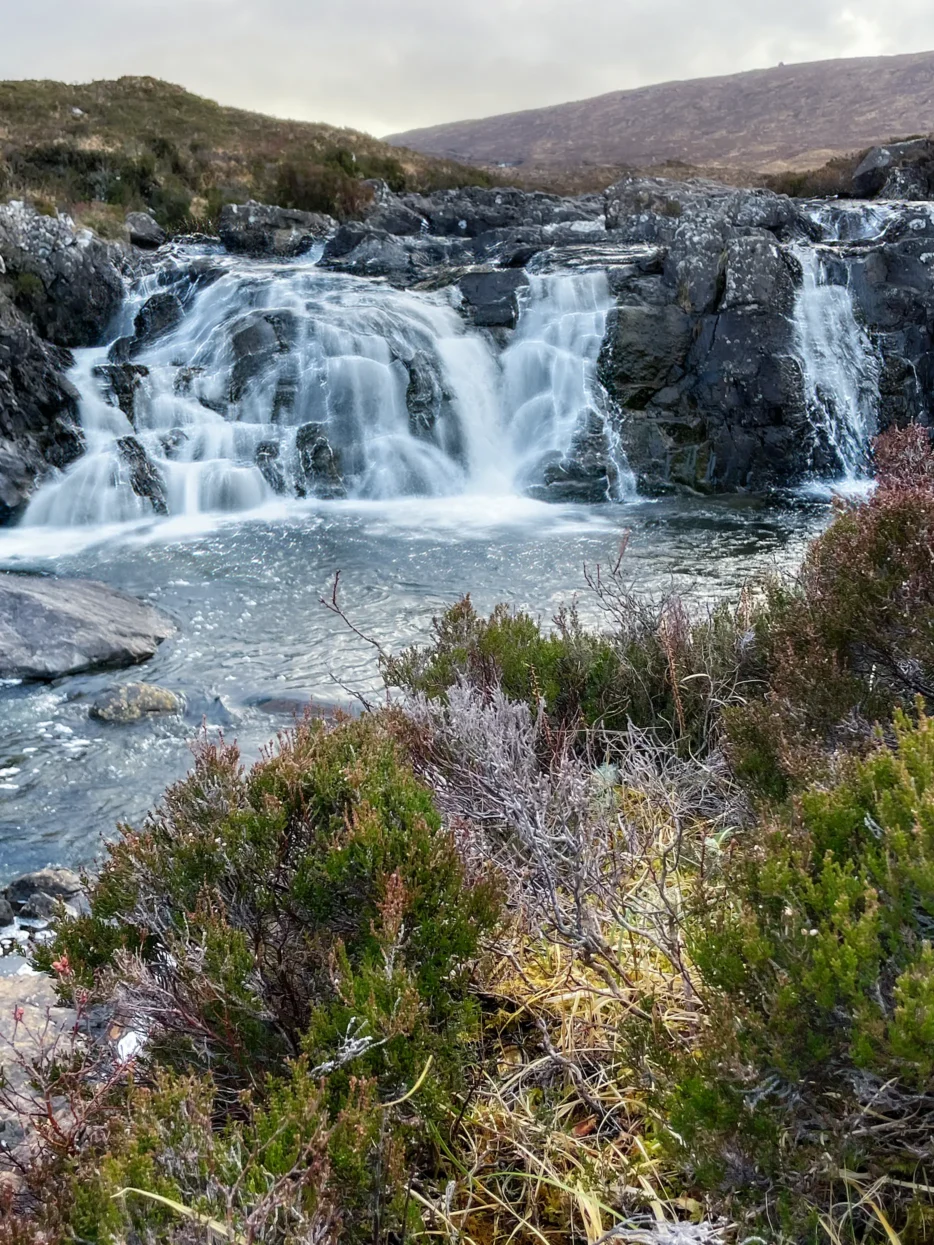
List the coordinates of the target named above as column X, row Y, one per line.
column 841, row 369
column 266, row 350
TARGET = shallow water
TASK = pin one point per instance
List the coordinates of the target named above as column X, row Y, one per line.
column 245, row 594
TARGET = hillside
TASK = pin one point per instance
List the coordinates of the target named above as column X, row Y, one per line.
column 789, row 117
column 106, row 146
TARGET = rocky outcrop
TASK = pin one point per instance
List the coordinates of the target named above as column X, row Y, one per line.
column 700, row 355
column 261, row 229
column 39, row 428
column 471, row 211
column 59, row 287
column 53, row 627
column 63, row 279
column 897, row 171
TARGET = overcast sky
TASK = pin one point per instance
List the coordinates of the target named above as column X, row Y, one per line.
column 388, row 65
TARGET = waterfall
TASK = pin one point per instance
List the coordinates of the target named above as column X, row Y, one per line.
column 236, row 381
column 840, row 366
column 557, row 411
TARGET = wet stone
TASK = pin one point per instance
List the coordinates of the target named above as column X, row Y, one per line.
column 132, row 702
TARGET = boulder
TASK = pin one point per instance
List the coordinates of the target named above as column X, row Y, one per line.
column 146, row 480
column 55, row 627
column 491, row 298
column 157, row 316
column 387, row 211
column 39, row 425
column 144, row 232
column 63, row 279
column 58, row 884
column 133, row 701
column 261, row 229
column 878, row 172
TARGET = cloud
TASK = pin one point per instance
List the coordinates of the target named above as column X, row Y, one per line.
column 390, row 66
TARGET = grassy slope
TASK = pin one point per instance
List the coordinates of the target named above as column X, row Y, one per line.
column 790, row 117
column 182, row 142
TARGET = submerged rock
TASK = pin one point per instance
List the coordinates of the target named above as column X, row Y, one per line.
column 261, row 229
column 55, row 627
column 318, row 464
column 132, row 701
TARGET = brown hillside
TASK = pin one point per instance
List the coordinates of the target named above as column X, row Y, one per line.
column 788, row 117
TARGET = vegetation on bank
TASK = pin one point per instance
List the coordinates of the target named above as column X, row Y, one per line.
column 101, row 149
column 589, row 935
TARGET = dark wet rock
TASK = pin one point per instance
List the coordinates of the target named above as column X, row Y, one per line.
column 363, row 250
column 587, row 473
column 261, row 229
column 63, row 279
column 318, row 468
column 146, row 480
column 388, row 212
column 55, row 627
column 267, row 460
column 121, row 385
column 157, row 316
column 57, row 884
column 492, row 298
column 131, row 702
column 144, row 232
column 256, row 339
column 6, row 911
column 424, row 395
column 896, row 171
column 470, row 211
column 39, row 426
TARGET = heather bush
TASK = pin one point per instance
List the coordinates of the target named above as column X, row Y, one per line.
column 853, row 638
column 816, row 966
column 653, row 667
column 301, row 932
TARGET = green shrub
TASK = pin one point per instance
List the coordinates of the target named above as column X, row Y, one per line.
column 296, row 931
column 818, row 972
column 655, row 669
column 853, row 638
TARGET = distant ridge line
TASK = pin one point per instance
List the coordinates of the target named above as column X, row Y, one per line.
column 792, row 116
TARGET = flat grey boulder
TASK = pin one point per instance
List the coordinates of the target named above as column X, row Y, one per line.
column 54, row 627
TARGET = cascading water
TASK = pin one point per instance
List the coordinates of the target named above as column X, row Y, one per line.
column 552, row 397
column 242, row 380
column 841, row 369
